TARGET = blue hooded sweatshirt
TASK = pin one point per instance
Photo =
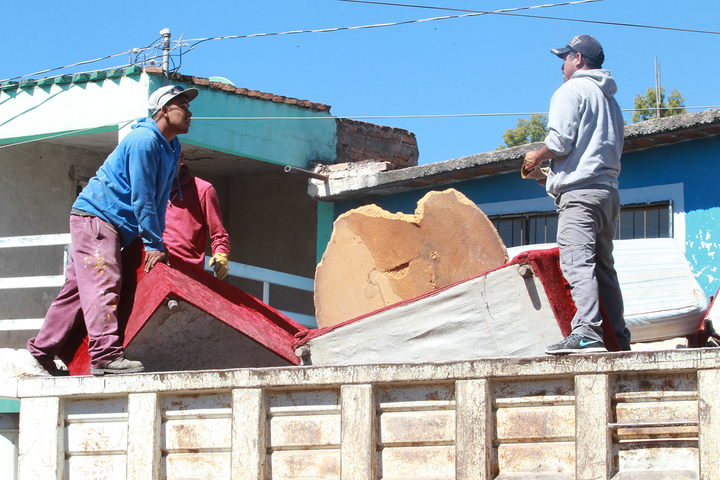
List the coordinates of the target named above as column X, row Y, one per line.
column 131, row 189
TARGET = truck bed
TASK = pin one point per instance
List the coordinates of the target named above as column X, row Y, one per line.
column 630, row 415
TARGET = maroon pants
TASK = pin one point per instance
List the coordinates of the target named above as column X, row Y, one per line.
column 91, row 294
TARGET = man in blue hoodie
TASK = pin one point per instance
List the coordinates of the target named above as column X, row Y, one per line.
column 584, row 144
column 127, row 197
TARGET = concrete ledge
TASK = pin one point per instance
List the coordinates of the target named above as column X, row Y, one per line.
column 605, row 363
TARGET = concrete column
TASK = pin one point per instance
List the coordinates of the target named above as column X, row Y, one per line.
column 593, row 442
column 473, row 430
column 709, row 423
column 358, row 439
column 144, row 424
column 41, row 449
column 249, row 451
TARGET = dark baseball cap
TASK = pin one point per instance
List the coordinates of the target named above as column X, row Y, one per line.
column 585, row 45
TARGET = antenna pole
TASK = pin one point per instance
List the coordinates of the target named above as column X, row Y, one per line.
column 166, row 55
column 657, row 88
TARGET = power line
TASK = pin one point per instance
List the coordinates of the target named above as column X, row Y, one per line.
column 348, row 117
column 619, row 24
column 471, row 13
column 450, row 115
column 391, row 24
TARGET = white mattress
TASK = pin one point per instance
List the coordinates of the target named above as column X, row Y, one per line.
column 661, row 296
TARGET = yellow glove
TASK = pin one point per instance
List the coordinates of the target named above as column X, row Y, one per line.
column 219, row 263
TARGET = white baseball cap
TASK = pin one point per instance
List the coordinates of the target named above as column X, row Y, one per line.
column 163, row 95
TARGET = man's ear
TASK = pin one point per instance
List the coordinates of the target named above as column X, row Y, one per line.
column 160, row 113
column 579, row 60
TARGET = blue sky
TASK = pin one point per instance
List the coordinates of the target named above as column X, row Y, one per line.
column 490, row 64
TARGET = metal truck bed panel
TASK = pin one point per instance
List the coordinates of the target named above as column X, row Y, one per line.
column 622, row 416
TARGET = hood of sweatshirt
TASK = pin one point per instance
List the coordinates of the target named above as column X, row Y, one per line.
column 601, row 78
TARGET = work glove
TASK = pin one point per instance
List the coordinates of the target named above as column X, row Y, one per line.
column 219, row 263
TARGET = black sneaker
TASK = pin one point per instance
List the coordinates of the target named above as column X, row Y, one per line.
column 576, row 344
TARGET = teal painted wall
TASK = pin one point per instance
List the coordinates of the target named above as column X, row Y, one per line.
column 325, row 219
column 277, row 140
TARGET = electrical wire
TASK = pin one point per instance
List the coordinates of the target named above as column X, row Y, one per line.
column 68, row 66
column 618, row 24
column 122, row 124
column 511, row 12
column 451, row 115
column 380, row 25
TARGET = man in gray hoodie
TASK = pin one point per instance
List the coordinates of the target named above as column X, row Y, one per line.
column 584, row 144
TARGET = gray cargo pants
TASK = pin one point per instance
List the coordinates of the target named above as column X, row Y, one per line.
column 587, row 221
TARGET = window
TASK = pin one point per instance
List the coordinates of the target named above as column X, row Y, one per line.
column 645, row 221
column 650, row 220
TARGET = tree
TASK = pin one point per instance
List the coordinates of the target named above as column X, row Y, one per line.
column 646, row 105
column 526, row 131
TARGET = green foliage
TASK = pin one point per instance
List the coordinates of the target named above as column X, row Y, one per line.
column 526, row 131
column 646, row 105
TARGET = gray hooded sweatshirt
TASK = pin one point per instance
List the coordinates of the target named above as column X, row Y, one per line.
column 585, row 128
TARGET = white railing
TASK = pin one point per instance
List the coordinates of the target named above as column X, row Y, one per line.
column 272, row 277
column 265, row 276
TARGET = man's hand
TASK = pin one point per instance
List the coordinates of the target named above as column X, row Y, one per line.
column 152, row 257
column 536, row 157
column 219, row 263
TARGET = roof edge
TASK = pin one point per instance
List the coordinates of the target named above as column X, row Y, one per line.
column 638, row 136
column 256, row 94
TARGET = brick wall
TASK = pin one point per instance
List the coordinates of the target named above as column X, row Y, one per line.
column 358, row 141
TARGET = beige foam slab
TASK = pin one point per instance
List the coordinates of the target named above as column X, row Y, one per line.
column 376, row 258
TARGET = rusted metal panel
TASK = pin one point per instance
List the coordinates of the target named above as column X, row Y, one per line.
column 431, row 462
column 680, row 385
column 304, row 464
column 425, row 428
column 283, row 402
column 208, row 466
column 533, row 424
column 304, row 431
column 94, row 437
column 416, row 431
column 96, row 467
column 646, row 408
column 554, row 390
column 536, row 458
column 417, row 396
column 648, row 413
column 189, row 435
column 658, row 456
column 196, row 435
column 534, row 416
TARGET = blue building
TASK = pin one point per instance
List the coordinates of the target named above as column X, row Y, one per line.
column 668, row 188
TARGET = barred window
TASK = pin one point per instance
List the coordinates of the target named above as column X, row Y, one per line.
column 651, row 220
